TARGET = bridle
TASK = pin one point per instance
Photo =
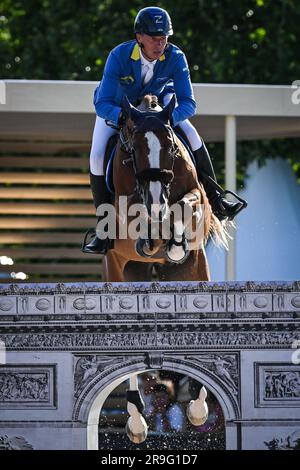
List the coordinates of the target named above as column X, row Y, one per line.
column 150, row 174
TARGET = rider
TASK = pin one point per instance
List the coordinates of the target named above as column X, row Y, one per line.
column 148, row 65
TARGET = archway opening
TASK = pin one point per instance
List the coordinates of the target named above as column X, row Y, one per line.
column 166, row 395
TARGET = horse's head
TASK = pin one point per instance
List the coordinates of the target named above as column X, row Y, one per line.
column 153, row 147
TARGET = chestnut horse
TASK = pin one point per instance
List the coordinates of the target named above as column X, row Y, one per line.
column 154, row 169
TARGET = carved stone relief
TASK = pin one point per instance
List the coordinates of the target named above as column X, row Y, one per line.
column 277, row 385
column 14, row 443
column 30, row 386
column 225, row 366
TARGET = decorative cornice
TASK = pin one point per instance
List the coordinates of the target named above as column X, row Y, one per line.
column 145, row 341
column 92, row 302
column 150, row 315
column 148, row 287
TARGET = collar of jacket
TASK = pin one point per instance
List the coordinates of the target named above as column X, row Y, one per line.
column 135, row 55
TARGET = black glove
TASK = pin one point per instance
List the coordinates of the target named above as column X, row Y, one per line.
column 122, row 119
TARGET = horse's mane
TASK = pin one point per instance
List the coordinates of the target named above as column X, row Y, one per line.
column 149, row 103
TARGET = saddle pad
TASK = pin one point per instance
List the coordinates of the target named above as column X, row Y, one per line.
column 184, row 141
column 109, row 171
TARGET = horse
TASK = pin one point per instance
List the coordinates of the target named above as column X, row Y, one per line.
column 153, row 169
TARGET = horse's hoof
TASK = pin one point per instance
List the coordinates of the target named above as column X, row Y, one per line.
column 143, row 248
column 197, row 410
column 194, row 419
column 139, row 436
column 177, row 253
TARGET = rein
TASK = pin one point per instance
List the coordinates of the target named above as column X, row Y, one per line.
column 150, row 174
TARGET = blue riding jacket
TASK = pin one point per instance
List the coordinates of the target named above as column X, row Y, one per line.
column 122, row 76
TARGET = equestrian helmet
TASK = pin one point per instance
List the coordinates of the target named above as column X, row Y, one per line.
column 153, row 21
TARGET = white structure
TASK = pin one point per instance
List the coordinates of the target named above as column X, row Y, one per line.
column 267, row 236
column 50, row 111
column 68, row 346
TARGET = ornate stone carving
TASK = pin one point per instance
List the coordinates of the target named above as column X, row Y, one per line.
column 296, row 301
column 30, row 386
column 154, row 360
column 88, row 367
column 163, row 302
column 277, row 385
column 43, row 304
column 284, row 385
column 100, row 288
column 23, row 304
column 126, row 303
column 84, row 303
column 200, row 302
column 225, row 366
column 6, row 304
column 222, row 298
column 143, row 340
column 145, row 302
column 296, row 286
column 62, row 302
column 14, row 443
column 251, row 286
column 291, row 442
column 202, row 326
column 260, row 301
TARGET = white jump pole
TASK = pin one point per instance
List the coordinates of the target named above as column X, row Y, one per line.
column 230, row 183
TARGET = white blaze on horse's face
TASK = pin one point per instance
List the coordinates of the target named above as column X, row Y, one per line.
column 154, row 149
column 155, row 187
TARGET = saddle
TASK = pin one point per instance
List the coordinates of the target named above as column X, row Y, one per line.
column 110, row 152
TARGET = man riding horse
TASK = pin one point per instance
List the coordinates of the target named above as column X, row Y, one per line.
column 149, row 64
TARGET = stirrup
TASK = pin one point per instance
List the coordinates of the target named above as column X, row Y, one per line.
column 93, row 234
column 90, row 232
column 223, row 193
column 243, row 205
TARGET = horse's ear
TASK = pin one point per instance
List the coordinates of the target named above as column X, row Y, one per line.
column 126, row 106
column 129, row 110
column 166, row 113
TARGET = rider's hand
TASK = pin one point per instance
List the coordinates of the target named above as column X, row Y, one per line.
column 121, row 119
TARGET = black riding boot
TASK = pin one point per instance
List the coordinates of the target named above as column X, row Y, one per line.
column 219, row 204
column 101, row 195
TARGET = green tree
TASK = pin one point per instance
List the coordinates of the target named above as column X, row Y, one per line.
column 225, row 41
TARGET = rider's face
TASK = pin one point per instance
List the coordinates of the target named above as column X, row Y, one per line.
column 154, row 46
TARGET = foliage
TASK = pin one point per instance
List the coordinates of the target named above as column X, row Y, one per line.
column 225, row 41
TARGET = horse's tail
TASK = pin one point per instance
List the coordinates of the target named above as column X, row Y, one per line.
column 218, row 231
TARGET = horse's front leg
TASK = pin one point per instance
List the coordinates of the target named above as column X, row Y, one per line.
column 146, row 235
column 185, row 218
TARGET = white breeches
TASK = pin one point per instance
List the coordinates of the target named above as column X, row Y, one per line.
column 102, row 132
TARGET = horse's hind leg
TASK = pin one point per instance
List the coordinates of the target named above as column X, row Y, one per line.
column 195, row 268
column 138, row 271
column 114, row 267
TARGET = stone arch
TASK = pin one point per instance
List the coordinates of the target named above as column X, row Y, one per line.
column 89, row 403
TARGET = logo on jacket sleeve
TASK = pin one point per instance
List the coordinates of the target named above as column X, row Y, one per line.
column 127, row 80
